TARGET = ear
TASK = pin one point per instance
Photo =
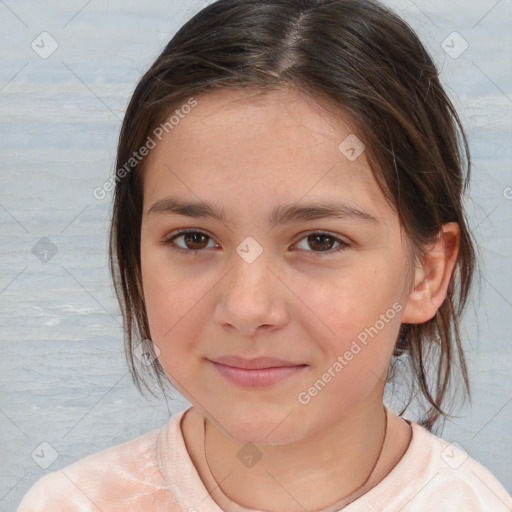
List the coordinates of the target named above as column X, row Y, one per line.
column 432, row 276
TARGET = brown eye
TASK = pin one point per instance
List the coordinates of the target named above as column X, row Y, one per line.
column 194, row 240
column 191, row 241
column 321, row 244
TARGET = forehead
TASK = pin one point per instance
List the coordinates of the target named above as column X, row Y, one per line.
column 248, row 108
column 240, row 145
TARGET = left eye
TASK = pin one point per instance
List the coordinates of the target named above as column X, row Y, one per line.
column 318, row 240
column 196, row 241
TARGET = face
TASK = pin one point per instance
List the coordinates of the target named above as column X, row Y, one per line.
column 322, row 295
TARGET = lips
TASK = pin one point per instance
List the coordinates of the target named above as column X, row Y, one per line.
column 255, row 373
column 254, row 364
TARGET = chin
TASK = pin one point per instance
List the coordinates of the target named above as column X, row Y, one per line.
column 264, row 427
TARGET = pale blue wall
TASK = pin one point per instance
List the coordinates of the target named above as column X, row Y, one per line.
column 63, row 375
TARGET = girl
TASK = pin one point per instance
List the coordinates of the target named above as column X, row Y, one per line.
column 287, row 227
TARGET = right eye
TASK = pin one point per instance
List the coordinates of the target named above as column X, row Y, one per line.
column 191, row 240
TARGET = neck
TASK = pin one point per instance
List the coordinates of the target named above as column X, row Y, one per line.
column 333, row 466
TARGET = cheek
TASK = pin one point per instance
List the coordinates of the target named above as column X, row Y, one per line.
column 345, row 302
column 169, row 304
column 175, row 303
column 155, row 287
column 167, row 310
column 164, row 295
column 354, row 319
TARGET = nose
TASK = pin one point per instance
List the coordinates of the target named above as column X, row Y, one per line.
column 252, row 297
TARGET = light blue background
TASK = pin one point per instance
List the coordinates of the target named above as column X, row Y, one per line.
column 63, row 375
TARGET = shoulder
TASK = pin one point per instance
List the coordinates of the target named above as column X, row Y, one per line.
column 452, row 480
column 126, row 476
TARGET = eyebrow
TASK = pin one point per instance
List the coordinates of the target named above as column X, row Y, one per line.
column 280, row 214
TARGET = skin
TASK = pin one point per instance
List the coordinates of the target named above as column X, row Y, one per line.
column 249, row 155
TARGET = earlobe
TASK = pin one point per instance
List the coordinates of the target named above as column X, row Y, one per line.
column 432, row 276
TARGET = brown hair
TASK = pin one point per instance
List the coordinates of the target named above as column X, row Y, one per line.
column 360, row 58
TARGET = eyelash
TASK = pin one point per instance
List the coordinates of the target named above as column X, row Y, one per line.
column 195, row 252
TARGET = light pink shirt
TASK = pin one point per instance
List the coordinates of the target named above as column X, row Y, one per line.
column 154, row 473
